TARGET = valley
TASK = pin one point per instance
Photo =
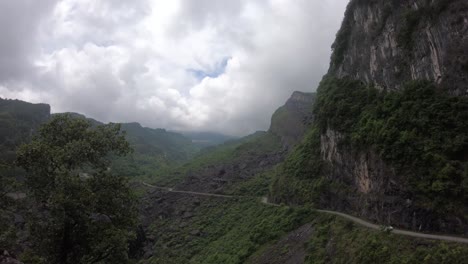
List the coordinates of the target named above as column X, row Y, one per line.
column 370, row 168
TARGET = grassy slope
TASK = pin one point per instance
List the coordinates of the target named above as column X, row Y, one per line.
column 259, row 143
column 339, row 241
column 230, row 231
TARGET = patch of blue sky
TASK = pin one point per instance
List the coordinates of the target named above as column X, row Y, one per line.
column 219, row 69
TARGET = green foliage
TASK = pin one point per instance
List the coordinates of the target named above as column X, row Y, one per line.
column 231, row 230
column 340, row 102
column 256, row 186
column 339, row 241
column 17, row 122
column 342, row 39
column 159, row 142
column 155, row 151
column 421, row 131
column 84, row 214
column 255, row 145
column 298, row 180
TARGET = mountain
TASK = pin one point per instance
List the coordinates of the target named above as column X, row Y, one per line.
column 383, row 139
column 19, row 120
column 155, row 150
column 389, row 139
column 291, row 121
column 223, row 167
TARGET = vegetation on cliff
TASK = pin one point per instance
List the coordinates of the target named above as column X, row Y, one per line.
column 421, row 131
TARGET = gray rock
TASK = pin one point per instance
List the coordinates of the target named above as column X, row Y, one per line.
column 195, row 232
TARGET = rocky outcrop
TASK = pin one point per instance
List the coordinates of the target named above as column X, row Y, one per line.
column 386, row 43
column 290, row 121
column 220, row 177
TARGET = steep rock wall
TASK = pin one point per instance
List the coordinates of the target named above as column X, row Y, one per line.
column 376, row 191
column 385, row 44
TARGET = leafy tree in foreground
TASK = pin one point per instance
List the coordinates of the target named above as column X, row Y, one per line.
column 84, row 214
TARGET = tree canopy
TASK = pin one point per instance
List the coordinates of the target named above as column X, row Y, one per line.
column 82, row 213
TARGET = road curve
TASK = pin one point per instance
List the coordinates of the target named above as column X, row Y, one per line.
column 189, row 192
column 354, row 219
column 397, row 231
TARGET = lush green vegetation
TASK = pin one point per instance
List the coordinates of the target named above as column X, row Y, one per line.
column 17, row 122
column 339, row 241
column 255, row 145
column 82, row 213
column 421, row 131
column 227, row 231
column 231, row 231
column 256, row 186
column 259, row 143
column 342, row 39
column 155, row 152
column 298, row 180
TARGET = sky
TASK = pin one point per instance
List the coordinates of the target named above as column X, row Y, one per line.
column 195, row 65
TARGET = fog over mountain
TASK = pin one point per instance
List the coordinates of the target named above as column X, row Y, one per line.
column 204, row 65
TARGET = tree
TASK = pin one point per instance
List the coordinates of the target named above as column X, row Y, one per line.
column 83, row 213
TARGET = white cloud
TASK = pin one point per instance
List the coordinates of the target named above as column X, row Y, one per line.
column 162, row 63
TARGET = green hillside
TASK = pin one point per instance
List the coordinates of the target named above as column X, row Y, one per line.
column 154, row 150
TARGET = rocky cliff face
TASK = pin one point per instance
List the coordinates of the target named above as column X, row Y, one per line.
column 386, row 43
column 376, row 191
column 290, row 121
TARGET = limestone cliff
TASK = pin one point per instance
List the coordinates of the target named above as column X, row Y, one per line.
column 290, row 121
column 385, row 44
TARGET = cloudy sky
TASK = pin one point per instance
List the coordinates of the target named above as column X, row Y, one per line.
column 217, row 65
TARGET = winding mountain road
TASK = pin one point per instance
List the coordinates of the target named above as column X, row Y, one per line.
column 354, row 219
column 189, row 192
